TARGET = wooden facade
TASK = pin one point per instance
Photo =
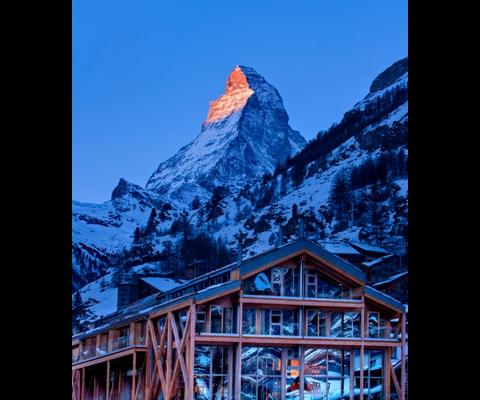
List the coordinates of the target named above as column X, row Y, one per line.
column 303, row 318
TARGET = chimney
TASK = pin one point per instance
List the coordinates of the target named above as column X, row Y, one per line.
column 127, row 292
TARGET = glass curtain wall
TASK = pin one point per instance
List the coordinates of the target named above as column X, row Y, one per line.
column 211, row 374
column 278, row 281
column 372, row 374
column 327, row 374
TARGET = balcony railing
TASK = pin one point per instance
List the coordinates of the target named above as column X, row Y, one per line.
column 120, row 343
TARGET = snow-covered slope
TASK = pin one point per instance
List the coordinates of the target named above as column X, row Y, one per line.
column 245, row 133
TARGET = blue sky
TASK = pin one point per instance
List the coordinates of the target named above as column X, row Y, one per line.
column 144, row 71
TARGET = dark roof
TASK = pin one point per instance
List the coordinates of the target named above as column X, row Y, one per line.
column 384, row 298
column 187, row 290
column 252, row 264
column 391, row 279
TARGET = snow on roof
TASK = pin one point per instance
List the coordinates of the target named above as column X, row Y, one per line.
column 339, row 248
column 377, row 261
column 367, row 247
column 391, row 279
column 162, row 284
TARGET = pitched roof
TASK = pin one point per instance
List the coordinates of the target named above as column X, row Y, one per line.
column 297, row 246
column 390, row 279
column 369, row 249
column 162, row 284
column 384, row 298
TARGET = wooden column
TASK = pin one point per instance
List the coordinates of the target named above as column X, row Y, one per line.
column 147, row 364
column 168, row 376
column 238, row 372
column 82, row 390
column 328, row 323
column 134, row 375
column 107, row 385
column 131, row 336
column 300, row 277
column 240, row 314
column 301, row 376
column 362, row 346
column 110, row 341
column 190, row 359
column 95, row 387
column 97, row 344
column 386, row 368
column 352, row 373
column 403, row 369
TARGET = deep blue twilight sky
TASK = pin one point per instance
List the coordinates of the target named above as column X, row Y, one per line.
column 144, row 71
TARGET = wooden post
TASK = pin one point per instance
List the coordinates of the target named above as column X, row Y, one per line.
column 134, row 375
column 386, row 366
column 301, row 375
column 97, row 344
column 169, row 350
column 107, row 386
column 131, row 334
column 147, row 363
column 352, row 373
column 82, row 391
column 191, row 359
column 328, row 323
column 240, row 314
column 110, row 341
column 238, row 376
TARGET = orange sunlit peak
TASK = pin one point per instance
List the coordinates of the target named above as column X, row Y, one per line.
column 237, row 92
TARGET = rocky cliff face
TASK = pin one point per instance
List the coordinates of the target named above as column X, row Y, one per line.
column 245, row 135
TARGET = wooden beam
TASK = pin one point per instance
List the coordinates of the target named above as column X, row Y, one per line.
column 238, row 380
column 107, row 386
column 82, row 389
column 191, row 359
column 131, row 334
column 395, row 380
column 180, row 347
column 306, row 302
column 134, row 377
column 118, row 354
column 386, row 368
column 158, row 364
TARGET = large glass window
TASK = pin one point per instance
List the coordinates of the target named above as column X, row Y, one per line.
column 222, row 319
column 372, row 374
column 316, row 325
column 346, row 324
column 261, row 377
column 278, row 281
column 279, row 322
column 292, row 374
column 327, row 374
column 211, row 374
column 318, row 285
column 249, row 321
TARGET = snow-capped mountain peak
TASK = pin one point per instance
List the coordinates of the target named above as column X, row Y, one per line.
column 245, row 135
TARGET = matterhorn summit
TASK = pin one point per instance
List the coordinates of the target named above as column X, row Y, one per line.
column 245, row 135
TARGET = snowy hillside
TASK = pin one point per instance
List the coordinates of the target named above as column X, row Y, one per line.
column 350, row 182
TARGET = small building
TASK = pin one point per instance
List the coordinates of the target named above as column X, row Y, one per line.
column 295, row 322
column 395, row 285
